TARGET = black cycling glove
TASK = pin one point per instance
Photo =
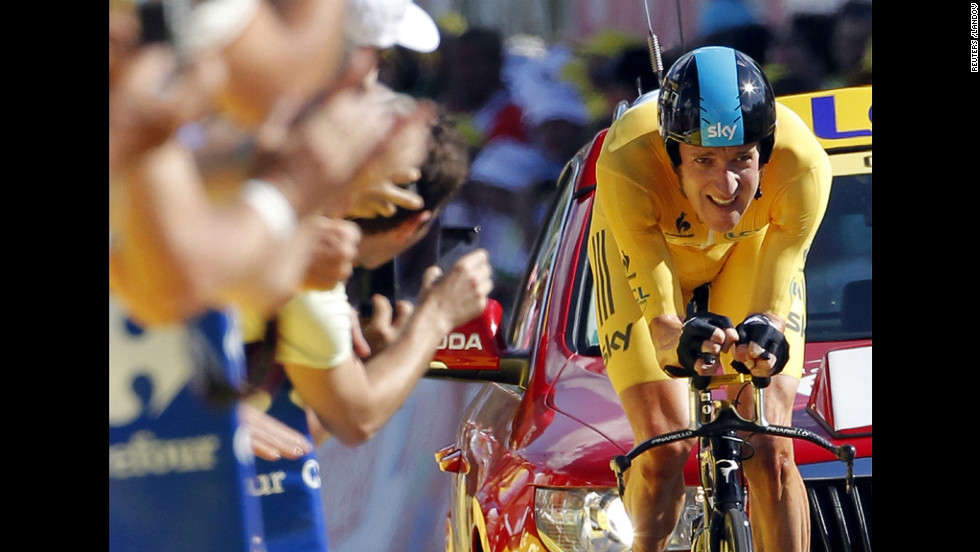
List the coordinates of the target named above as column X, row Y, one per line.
column 760, row 330
column 696, row 330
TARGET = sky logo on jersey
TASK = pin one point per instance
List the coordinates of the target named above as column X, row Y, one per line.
column 719, row 130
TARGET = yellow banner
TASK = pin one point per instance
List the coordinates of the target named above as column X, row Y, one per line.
column 838, row 118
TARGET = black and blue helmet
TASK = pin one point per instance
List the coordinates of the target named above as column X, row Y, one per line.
column 717, row 97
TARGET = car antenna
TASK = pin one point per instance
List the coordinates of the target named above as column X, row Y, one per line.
column 680, row 24
column 653, row 45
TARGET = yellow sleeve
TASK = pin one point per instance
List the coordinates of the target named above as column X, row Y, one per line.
column 315, row 329
column 800, row 176
column 628, row 171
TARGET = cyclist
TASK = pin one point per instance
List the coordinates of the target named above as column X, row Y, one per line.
column 712, row 183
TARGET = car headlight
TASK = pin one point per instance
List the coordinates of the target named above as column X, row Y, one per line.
column 582, row 520
column 594, row 520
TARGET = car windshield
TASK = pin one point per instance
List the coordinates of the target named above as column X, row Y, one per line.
column 838, row 269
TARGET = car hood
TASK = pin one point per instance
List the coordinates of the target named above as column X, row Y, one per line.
column 596, row 425
column 587, row 428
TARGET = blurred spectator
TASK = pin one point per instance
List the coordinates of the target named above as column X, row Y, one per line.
column 323, row 386
column 555, row 117
column 799, row 58
column 175, row 350
column 416, row 244
column 718, row 16
column 816, row 51
column 624, row 78
column 600, row 63
column 475, row 92
column 511, row 181
column 851, row 44
column 309, row 377
column 733, row 24
column 159, row 262
column 752, row 39
column 397, row 31
column 383, row 24
column 557, row 124
column 401, row 70
column 503, row 178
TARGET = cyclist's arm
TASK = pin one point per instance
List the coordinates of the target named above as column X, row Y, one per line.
column 778, row 293
column 632, row 212
column 798, row 180
column 796, row 218
column 633, row 215
column 802, row 188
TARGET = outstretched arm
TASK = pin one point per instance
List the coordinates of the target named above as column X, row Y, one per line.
column 354, row 400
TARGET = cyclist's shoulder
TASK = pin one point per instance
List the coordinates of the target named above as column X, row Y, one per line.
column 796, row 152
column 641, row 120
column 633, row 147
column 794, row 138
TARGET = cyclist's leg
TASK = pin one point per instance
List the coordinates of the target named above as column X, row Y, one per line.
column 779, row 511
column 654, row 403
column 778, row 507
column 655, row 482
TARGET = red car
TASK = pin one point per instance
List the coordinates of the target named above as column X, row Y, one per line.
column 531, row 457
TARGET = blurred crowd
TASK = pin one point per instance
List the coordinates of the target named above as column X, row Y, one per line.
column 526, row 106
column 254, row 161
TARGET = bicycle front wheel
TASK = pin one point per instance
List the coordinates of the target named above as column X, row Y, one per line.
column 736, row 535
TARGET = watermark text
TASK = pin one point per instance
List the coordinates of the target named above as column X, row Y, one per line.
column 974, row 39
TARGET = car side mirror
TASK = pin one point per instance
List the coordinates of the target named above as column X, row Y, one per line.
column 475, row 352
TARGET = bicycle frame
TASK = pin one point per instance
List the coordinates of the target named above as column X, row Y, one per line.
column 719, row 459
column 719, row 463
column 716, row 424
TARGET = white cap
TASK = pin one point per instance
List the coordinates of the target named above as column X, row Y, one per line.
column 509, row 164
column 555, row 101
column 540, row 91
column 215, row 23
column 386, row 23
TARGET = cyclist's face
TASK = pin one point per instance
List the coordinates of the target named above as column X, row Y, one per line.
column 720, row 183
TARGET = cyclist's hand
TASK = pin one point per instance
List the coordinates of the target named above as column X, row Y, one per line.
column 762, row 349
column 704, row 336
column 665, row 331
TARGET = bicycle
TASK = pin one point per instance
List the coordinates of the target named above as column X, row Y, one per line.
column 723, row 526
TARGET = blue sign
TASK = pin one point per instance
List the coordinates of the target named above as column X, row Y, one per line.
column 179, row 464
column 825, row 120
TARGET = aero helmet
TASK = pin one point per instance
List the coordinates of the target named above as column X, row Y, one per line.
column 715, row 97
